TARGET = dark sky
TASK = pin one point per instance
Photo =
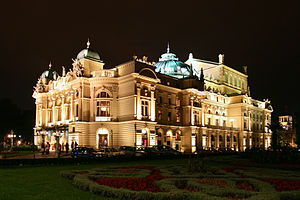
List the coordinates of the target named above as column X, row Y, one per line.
column 264, row 35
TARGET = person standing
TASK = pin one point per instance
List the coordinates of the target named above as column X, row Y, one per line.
column 72, row 145
column 43, row 148
column 47, row 148
column 67, row 147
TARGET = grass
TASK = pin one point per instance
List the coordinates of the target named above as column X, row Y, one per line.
column 45, row 182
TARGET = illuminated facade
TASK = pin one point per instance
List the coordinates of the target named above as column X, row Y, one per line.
column 196, row 104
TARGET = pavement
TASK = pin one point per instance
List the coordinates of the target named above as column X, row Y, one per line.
column 41, row 156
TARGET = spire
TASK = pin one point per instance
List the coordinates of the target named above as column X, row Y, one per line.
column 201, row 75
column 88, row 44
column 168, row 48
column 50, row 65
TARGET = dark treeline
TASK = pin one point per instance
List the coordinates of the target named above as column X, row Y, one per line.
column 16, row 119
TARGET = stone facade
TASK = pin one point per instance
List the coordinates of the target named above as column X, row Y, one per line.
column 133, row 105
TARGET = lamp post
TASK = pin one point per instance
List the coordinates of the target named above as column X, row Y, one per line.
column 11, row 135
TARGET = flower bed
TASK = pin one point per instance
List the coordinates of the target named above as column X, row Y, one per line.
column 136, row 184
column 147, row 182
column 282, row 184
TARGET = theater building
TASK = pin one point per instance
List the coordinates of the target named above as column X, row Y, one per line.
column 189, row 105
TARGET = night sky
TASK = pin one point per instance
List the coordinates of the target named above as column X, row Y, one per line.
column 264, row 35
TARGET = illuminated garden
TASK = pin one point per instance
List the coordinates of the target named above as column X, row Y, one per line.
column 212, row 177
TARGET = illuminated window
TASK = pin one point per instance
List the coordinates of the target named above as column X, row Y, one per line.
column 103, row 108
column 145, row 107
column 177, row 117
column 169, row 116
column 177, row 102
column 159, row 115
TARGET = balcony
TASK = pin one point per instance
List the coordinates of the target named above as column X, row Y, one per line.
column 102, row 119
column 104, row 73
column 221, row 127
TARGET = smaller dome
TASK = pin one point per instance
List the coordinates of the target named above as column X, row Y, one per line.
column 89, row 54
column 49, row 74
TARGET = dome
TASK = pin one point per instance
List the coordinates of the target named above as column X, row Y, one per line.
column 170, row 65
column 49, row 74
column 89, row 54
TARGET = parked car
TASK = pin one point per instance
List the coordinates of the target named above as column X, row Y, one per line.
column 166, row 150
column 127, row 151
column 150, row 151
column 108, row 152
column 84, row 152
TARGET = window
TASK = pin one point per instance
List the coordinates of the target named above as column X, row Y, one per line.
column 196, row 118
column 245, row 125
column 230, row 79
column 239, row 83
column 169, row 100
column 235, row 82
column 226, row 78
column 177, row 117
column 159, row 115
column 217, row 122
column 224, row 123
column 169, row 116
column 145, row 108
column 177, row 102
column 103, row 108
column 77, row 110
column 103, row 95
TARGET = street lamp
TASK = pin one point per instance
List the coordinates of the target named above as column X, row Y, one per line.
column 11, row 135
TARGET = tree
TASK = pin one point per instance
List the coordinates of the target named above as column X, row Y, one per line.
column 297, row 126
column 275, row 128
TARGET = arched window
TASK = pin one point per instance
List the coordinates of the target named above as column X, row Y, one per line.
column 103, row 109
column 103, row 95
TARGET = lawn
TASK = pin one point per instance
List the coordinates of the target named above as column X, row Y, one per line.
column 219, row 177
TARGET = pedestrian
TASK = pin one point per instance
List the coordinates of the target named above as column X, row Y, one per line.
column 72, row 145
column 76, row 144
column 67, row 147
column 43, row 148
column 62, row 147
column 47, row 148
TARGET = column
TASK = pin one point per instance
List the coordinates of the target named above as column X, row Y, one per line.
column 79, row 100
column 191, row 116
column 152, row 104
column 92, row 90
column 63, row 114
column 36, row 114
column 217, row 140
column 72, row 106
column 53, row 110
column 138, row 105
column 46, row 117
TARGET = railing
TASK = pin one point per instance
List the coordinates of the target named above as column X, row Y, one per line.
column 221, row 127
column 104, row 73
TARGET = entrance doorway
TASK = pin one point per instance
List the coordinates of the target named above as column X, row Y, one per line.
column 102, row 138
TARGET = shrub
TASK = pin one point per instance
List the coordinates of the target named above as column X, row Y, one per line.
column 25, row 148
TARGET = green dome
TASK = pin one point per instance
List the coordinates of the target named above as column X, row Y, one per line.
column 89, row 54
column 49, row 74
column 170, row 65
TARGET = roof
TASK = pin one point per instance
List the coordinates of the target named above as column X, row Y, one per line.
column 89, row 54
column 170, row 65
